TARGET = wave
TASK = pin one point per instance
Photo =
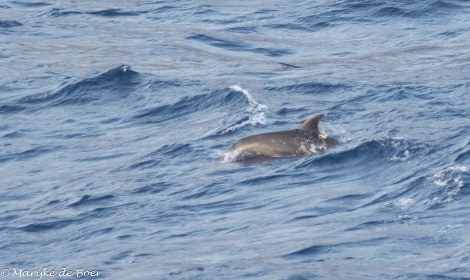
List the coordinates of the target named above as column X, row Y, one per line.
column 11, row 108
column 49, row 225
column 9, row 23
column 29, row 4
column 30, row 153
column 238, row 46
column 393, row 149
column 243, row 29
column 112, row 85
column 233, row 99
column 446, row 185
column 367, row 12
column 56, row 12
column 309, row 88
column 418, row 10
column 185, row 106
column 423, row 193
column 256, row 111
column 114, row 13
column 90, row 206
column 152, row 188
column 412, row 183
column 159, row 157
column 330, row 248
column 87, row 200
column 464, row 155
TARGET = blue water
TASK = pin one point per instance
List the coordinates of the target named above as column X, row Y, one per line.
column 115, row 117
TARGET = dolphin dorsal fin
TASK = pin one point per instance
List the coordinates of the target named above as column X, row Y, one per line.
column 312, row 124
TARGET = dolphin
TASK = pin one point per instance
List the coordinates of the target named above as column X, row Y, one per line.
column 304, row 140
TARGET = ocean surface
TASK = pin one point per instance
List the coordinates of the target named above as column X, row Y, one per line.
column 115, row 118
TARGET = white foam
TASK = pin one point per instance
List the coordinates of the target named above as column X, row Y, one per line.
column 124, row 68
column 446, row 228
column 450, row 179
column 403, row 157
column 228, row 156
column 404, row 203
column 450, row 176
column 255, row 109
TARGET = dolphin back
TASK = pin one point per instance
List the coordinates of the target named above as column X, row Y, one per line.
column 306, row 139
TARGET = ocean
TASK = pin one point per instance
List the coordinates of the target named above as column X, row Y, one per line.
column 115, row 119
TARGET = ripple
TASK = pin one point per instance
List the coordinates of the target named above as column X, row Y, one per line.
column 9, row 23
column 238, row 46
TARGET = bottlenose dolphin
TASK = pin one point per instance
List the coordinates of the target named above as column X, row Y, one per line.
column 304, row 140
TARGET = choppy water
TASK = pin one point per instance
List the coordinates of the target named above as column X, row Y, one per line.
column 114, row 116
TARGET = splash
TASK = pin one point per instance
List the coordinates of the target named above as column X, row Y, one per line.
column 225, row 157
column 255, row 109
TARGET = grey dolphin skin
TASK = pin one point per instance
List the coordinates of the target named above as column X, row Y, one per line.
column 304, row 140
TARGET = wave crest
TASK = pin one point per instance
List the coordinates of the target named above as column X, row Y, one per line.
column 118, row 80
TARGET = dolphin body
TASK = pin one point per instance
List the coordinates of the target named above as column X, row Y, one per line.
column 304, row 140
